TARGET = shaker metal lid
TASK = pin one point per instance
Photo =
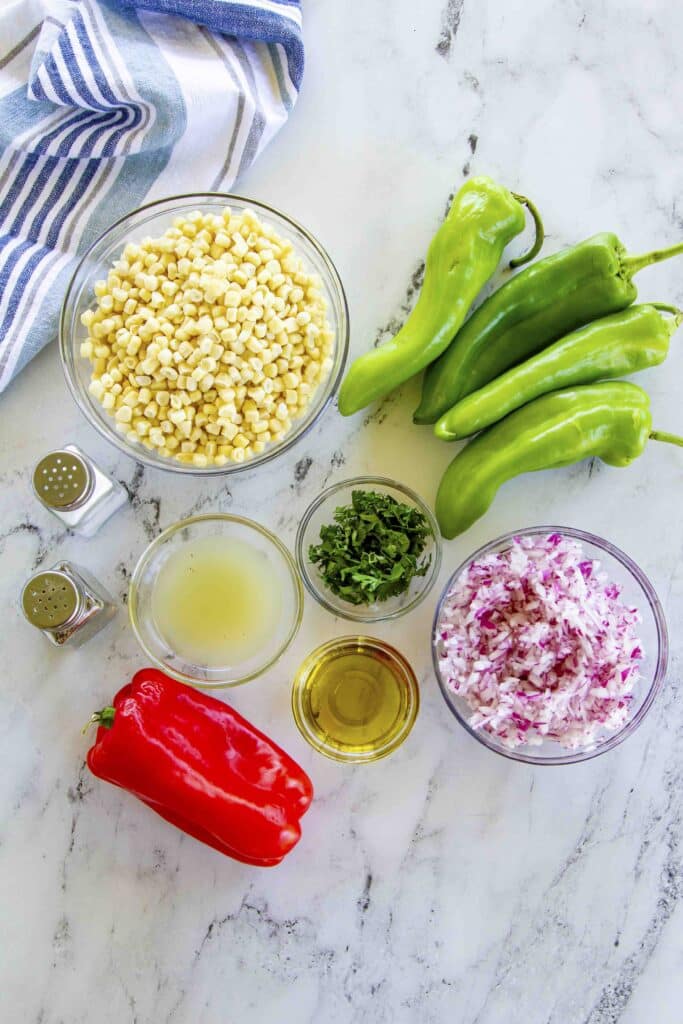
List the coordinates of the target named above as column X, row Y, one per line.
column 62, row 480
column 50, row 599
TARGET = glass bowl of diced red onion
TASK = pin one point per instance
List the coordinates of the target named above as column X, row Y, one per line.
column 550, row 645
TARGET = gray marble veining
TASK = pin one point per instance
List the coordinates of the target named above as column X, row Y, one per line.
column 444, row 884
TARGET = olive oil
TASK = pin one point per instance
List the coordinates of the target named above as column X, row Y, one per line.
column 355, row 699
column 215, row 601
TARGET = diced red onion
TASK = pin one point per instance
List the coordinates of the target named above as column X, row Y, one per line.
column 540, row 622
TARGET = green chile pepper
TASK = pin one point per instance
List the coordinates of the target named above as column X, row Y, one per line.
column 462, row 256
column 614, row 346
column 610, row 420
column 546, row 301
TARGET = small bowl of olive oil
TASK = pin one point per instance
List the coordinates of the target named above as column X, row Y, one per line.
column 355, row 699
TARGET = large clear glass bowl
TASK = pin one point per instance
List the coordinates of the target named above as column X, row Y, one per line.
column 281, row 570
column 321, row 513
column 636, row 590
column 152, row 220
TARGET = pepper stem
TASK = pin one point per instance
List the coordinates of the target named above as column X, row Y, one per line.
column 632, row 264
column 538, row 226
column 105, row 718
column 676, row 313
column 663, row 435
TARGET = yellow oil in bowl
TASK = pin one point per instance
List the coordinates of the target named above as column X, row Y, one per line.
column 355, row 699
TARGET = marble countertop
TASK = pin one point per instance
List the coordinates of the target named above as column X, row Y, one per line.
column 444, row 884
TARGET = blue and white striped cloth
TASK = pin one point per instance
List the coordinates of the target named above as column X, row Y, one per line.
column 105, row 103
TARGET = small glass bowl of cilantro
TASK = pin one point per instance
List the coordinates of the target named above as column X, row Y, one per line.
column 368, row 549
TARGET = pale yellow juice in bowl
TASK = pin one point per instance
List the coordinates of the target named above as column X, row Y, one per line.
column 215, row 600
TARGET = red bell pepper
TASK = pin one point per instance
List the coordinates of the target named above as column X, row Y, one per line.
column 200, row 765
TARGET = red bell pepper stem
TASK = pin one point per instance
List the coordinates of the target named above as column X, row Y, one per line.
column 104, row 718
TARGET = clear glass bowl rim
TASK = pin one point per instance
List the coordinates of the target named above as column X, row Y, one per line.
column 302, row 560
column 658, row 676
column 410, row 679
column 151, row 550
column 330, row 386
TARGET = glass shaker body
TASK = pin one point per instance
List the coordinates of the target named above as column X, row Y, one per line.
column 69, row 484
column 67, row 604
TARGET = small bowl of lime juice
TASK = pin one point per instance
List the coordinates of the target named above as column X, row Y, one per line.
column 215, row 600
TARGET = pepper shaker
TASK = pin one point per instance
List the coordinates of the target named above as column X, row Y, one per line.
column 75, row 490
column 66, row 604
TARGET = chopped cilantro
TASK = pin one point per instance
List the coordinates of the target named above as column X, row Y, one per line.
column 373, row 548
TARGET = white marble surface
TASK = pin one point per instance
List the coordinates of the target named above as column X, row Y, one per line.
column 444, row 884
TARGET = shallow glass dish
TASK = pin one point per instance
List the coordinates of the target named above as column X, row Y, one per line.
column 321, row 513
column 636, row 591
column 153, row 219
column 367, row 746
column 280, row 567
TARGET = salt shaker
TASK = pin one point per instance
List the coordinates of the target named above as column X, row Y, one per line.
column 66, row 604
column 73, row 488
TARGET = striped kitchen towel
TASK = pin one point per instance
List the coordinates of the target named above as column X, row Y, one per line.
column 106, row 103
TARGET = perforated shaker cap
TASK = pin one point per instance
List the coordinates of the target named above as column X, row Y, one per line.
column 62, row 480
column 50, row 599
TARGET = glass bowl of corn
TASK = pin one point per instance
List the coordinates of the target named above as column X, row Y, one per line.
column 204, row 333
